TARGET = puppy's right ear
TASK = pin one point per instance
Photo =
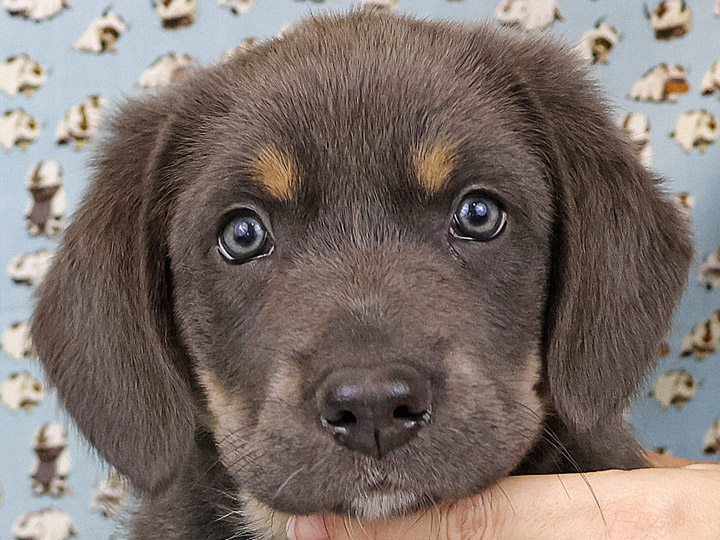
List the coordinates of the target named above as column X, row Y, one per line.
column 103, row 326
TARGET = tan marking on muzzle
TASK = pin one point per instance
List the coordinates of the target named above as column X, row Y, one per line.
column 276, row 171
column 434, row 164
column 462, row 368
column 263, row 521
column 282, row 394
column 463, row 372
column 283, row 391
column 225, row 410
column 284, row 383
column 530, row 382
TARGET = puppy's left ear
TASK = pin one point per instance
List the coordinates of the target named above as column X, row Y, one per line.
column 621, row 249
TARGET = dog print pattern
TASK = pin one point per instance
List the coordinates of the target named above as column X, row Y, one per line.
column 65, row 64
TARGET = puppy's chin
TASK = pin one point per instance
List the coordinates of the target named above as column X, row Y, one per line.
column 268, row 523
column 373, row 505
column 380, row 504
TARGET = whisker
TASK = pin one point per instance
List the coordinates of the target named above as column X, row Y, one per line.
column 559, row 477
column 362, row 527
column 435, row 508
column 507, row 498
column 584, row 477
column 348, row 532
column 287, row 481
column 553, row 439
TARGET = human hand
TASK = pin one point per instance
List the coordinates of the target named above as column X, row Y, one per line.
column 645, row 504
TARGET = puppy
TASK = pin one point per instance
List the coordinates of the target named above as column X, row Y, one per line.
column 371, row 266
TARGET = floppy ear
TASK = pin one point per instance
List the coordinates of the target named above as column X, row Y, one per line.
column 103, row 324
column 621, row 249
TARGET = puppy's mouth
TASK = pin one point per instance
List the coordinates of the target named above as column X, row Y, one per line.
column 381, row 499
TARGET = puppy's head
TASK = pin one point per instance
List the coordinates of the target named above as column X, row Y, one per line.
column 354, row 254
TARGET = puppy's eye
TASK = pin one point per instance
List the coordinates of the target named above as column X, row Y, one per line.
column 478, row 217
column 244, row 237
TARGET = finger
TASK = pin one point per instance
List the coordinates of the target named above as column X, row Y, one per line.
column 673, row 504
column 429, row 525
column 623, row 505
column 307, row 528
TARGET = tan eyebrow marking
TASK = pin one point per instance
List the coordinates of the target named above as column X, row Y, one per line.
column 276, row 171
column 433, row 165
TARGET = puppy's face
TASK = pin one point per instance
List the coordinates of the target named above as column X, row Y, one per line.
column 364, row 294
column 355, row 255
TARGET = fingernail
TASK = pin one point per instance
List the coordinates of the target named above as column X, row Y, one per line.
column 307, row 528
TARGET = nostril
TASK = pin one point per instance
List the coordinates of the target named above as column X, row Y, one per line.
column 405, row 414
column 343, row 419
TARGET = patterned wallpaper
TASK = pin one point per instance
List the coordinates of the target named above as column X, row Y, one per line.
column 64, row 62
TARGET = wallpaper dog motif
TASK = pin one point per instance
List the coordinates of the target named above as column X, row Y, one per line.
column 54, row 93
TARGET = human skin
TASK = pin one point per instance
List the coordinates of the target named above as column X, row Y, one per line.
column 676, row 500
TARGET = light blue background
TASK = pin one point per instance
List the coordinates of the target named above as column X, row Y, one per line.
column 75, row 75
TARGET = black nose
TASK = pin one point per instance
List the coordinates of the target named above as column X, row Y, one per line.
column 374, row 410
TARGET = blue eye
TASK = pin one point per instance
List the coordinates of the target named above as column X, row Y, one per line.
column 478, row 217
column 244, row 237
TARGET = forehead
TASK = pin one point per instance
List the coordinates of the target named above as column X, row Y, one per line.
column 370, row 108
